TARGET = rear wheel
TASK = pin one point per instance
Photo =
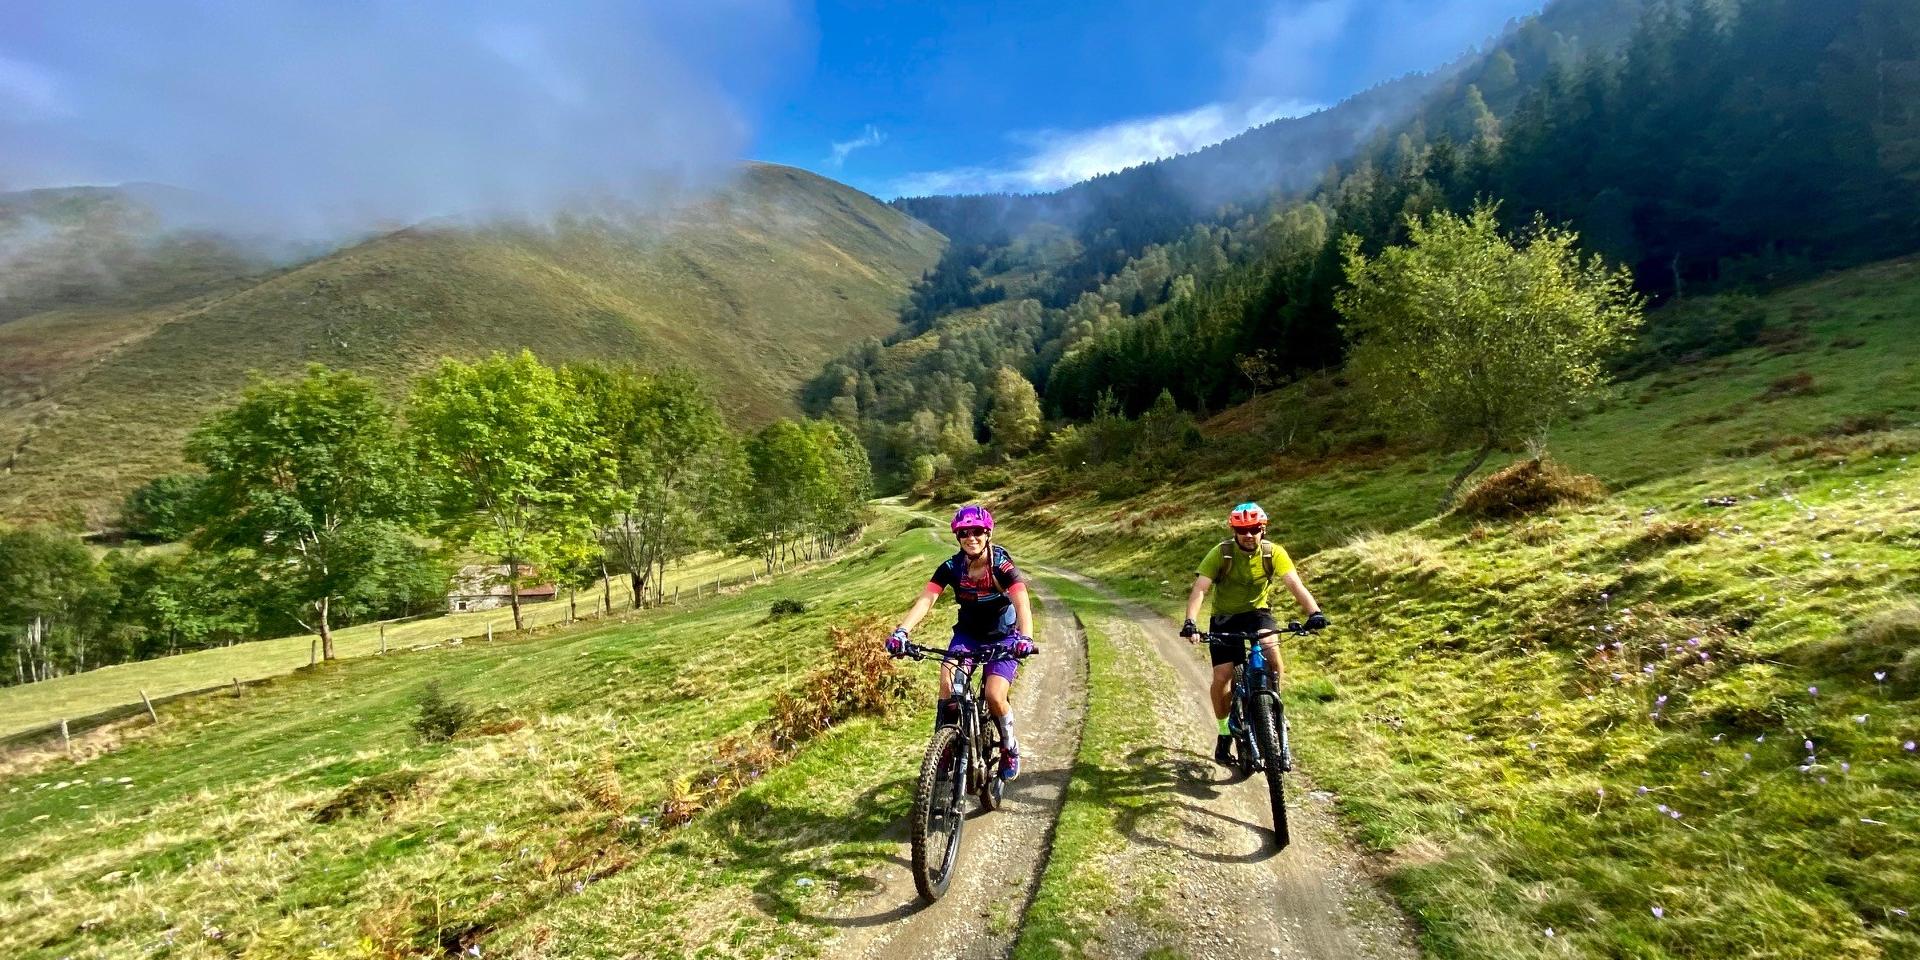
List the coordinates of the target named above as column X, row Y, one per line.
column 938, row 814
column 1268, row 718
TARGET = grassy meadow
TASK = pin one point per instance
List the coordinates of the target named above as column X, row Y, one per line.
column 1677, row 721
column 37, row 705
column 308, row 819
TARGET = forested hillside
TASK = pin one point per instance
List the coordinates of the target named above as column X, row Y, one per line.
column 1708, row 146
column 99, row 382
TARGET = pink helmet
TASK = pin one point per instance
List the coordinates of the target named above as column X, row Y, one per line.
column 972, row 515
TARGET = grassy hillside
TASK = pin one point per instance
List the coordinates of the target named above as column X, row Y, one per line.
column 754, row 289
column 1673, row 722
column 306, row 818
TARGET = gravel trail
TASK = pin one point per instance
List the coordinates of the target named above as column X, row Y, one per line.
column 1231, row 894
column 1002, row 854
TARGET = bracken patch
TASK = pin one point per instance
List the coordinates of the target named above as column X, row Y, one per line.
column 1528, row 487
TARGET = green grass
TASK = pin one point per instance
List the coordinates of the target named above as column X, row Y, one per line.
column 1116, row 787
column 539, row 826
column 1466, row 719
column 37, row 705
column 753, row 290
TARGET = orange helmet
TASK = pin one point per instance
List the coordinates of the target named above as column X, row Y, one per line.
column 1247, row 515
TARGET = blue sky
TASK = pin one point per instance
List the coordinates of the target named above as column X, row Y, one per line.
column 323, row 115
column 984, row 96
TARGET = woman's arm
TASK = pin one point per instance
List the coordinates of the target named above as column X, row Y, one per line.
column 1022, row 609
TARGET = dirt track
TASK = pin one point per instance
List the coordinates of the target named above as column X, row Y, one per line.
column 1235, row 896
column 1003, row 853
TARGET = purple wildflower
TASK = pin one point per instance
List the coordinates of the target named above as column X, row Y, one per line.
column 1674, row 814
column 1909, row 746
column 1813, row 691
column 1808, row 744
column 1659, row 913
column 1642, row 791
column 1660, row 807
column 1880, row 676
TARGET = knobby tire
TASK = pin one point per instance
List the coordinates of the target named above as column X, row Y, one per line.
column 1267, row 728
column 942, row 786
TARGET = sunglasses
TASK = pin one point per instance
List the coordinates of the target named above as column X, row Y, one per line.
column 1248, row 531
column 968, row 533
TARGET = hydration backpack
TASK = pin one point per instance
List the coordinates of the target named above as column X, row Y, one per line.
column 1228, row 552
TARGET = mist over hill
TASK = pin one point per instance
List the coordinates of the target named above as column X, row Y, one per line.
column 752, row 288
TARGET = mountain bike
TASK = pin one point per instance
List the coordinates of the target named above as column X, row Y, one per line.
column 963, row 757
column 1257, row 721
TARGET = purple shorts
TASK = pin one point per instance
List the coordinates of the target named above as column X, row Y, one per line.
column 968, row 643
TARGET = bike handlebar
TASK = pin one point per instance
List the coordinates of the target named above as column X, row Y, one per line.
column 990, row 653
column 1294, row 627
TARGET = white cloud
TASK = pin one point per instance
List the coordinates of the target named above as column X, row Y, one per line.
column 869, row 137
column 1057, row 158
column 1306, row 42
column 29, row 92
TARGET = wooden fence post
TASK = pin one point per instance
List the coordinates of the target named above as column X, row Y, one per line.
column 236, row 686
column 66, row 742
column 313, row 652
column 383, row 640
column 489, row 631
column 150, row 714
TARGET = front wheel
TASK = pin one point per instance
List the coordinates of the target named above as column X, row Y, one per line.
column 1268, row 719
column 938, row 814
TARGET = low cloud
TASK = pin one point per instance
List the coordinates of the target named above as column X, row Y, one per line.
column 1056, row 158
column 1365, row 43
column 870, row 137
column 320, row 118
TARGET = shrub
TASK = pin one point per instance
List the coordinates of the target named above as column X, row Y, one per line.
column 992, row 478
column 922, row 523
column 440, row 716
column 859, row 678
column 785, row 607
column 1526, row 487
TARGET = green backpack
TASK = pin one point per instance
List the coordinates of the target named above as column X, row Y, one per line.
column 1228, row 550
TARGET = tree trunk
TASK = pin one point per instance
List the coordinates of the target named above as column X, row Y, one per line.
column 1453, row 486
column 639, row 582
column 606, row 588
column 513, row 590
column 326, row 629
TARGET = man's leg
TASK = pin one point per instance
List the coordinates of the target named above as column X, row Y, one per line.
column 1222, row 695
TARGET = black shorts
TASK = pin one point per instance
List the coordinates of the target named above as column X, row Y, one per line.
column 1235, row 651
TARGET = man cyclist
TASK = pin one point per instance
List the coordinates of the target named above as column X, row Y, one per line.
column 1241, row 572
column 994, row 608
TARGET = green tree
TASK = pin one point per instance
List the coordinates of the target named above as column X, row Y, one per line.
column 164, row 508
column 51, row 603
column 675, row 466
column 516, row 469
column 1015, row 418
column 1464, row 336
column 308, row 478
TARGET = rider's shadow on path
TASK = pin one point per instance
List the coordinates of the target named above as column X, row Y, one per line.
column 787, row 841
column 1156, row 786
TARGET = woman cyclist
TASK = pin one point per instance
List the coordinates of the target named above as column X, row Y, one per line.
column 992, row 595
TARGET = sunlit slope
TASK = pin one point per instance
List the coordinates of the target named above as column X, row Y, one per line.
column 753, row 289
column 1676, row 721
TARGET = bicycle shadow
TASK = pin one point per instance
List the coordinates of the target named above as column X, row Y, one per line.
column 787, row 841
column 1159, row 787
